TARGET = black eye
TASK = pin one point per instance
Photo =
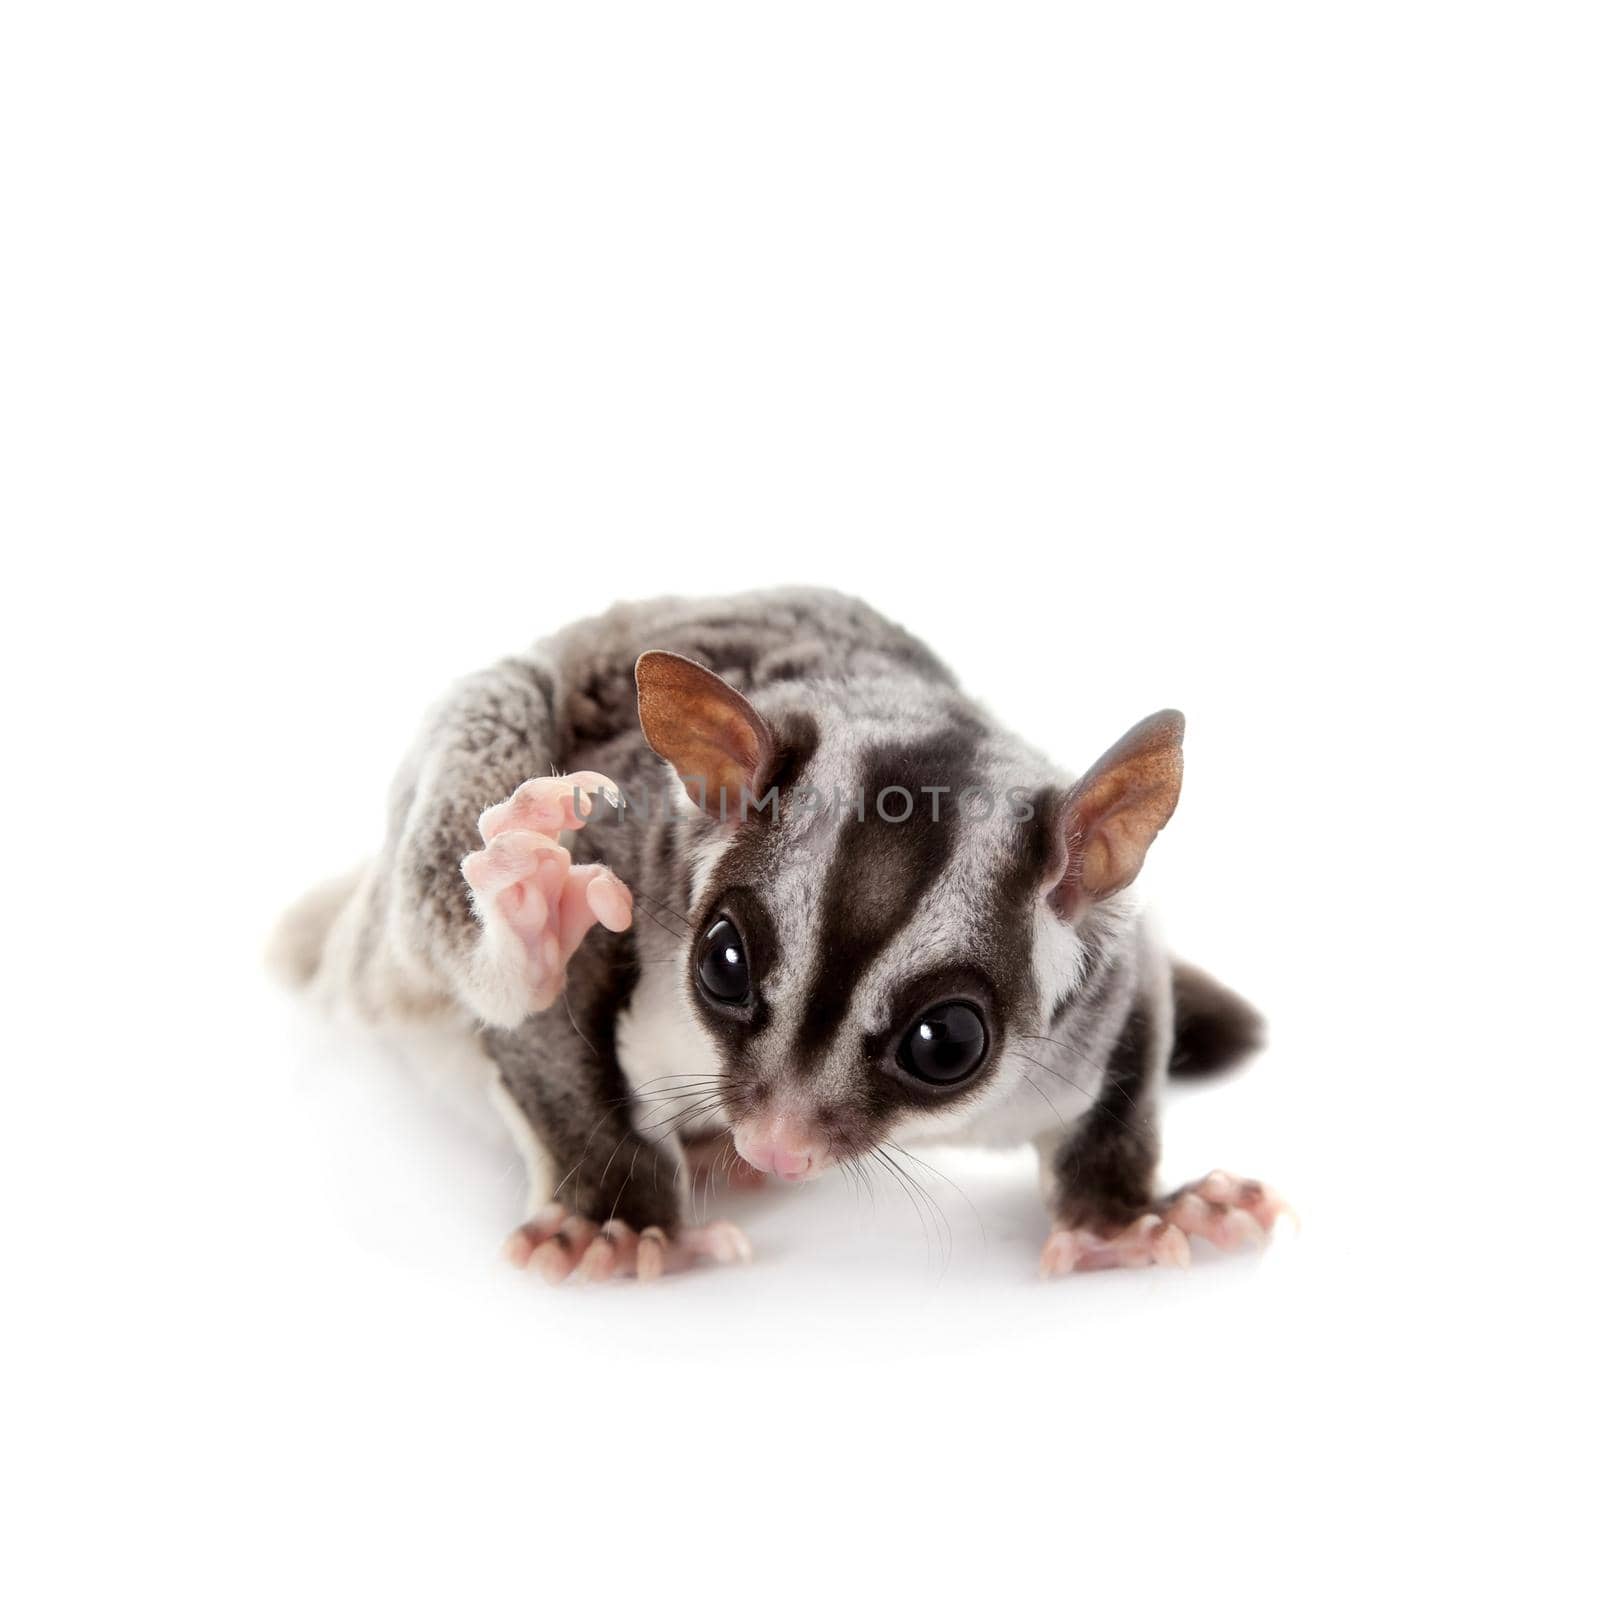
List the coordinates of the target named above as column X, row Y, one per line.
column 724, row 971
column 945, row 1044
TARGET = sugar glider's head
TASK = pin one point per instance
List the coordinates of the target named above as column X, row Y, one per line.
column 890, row 900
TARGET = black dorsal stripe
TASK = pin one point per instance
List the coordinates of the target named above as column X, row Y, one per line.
column 881, row 872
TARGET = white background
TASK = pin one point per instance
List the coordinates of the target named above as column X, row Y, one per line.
column 1239, row 357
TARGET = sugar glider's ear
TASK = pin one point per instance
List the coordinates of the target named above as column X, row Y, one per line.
column 1112, row 814
column 717, row 742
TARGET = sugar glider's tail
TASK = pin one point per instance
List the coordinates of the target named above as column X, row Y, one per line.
column 1213, row 1027
column 298, row 943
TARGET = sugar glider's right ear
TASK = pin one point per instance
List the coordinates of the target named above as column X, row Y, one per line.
column 717, row 742
column 1114, row 811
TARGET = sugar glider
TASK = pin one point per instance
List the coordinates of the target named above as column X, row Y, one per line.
column 751, row 880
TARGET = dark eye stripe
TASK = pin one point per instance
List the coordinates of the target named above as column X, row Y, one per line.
column 879, row 875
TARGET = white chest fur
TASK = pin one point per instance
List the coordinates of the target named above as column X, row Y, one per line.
column 662, row 1050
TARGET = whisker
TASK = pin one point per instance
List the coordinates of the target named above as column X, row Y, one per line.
column 671, row 932
column 698, row 1099
column 1086, row 1057
column 1047, row 1099
column 944, row 1177
column 645, row 1091
column 1060, row 1077
column 913, row 1190
column 864, row 1178
column 566, row 999
column 611, row 1157
column 927, row 1242
column 1096, row 1104
column 626, row 1182
column 661, row 905
column 844, row 1170
column 938, row 1209
column 1060, row 1043
column 682, row 1118
column 583, row 1154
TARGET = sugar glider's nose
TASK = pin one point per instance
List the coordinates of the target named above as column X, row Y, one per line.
column 790, row 1163
column 783, row 1144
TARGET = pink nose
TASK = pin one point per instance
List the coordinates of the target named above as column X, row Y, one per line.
column 790, row 1164
column 783, row 1143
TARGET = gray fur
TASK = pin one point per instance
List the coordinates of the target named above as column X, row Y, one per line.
column 1087, row 1014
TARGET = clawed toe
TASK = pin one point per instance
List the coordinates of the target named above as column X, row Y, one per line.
column 548, row 805
column 1230, row 1212
column 1169, row 1247
column 560, row 1246
column 1149, row 1241
column 721, row 1242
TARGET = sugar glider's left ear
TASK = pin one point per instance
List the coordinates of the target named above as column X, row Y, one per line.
column 718, row 743
column 1112, row 814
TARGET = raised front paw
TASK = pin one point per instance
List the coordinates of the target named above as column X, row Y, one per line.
column 534, row 904
column 1227, row 1211
column 561, row 1245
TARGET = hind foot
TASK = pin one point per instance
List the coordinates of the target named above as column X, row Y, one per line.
column 534, row 904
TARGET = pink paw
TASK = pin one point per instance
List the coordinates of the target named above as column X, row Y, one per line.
column 534, row 904
column 1149, row 1241
column 1229, row 1211
column 561, row 1245
column 1223, row 1209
